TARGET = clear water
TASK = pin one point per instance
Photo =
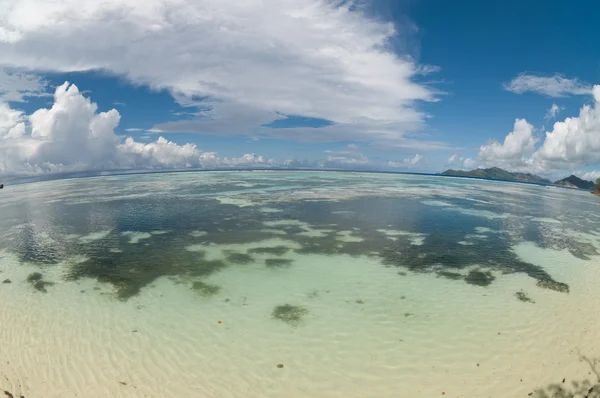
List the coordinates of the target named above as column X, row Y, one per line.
column 204, row 284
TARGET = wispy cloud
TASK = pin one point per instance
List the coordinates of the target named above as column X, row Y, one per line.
column 335, row 66
column 552, row 86
column 553, row 112
column 16, row 85
column 132, row 129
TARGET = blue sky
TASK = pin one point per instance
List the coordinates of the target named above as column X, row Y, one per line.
column 481, row 45
column 399, row 85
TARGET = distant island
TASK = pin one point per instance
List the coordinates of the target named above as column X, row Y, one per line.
column 496, row 173
column 575, row 182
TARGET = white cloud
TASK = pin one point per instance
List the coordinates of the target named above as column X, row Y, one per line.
column 72, row 135
column 553, row 112
column 408, row 162
column 589, row 175
column 69, row 135
column 517, row 145
column 552, row 86
column 16, row 85
column 414, row 160
column 345, row 158
column 469, row 163
column 166, row 154
column 427, row 69
column 252, row 58
column 249, row 159
column 161, row 154
column 574, row 141
column 462, row 163
column 131, row 129
column 11, row 122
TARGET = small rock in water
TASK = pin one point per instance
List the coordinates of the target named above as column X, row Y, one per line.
column 280, row 365
column 7, row 281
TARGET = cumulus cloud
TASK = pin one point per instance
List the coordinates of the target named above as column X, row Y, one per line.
column 406, row 163
column 461, row 162
column 552, row 112
column 345, row 158
column 252, row 59
column 589, row 175
column 512, row 153
column 72, row 135
column 414, row 160
column 552, row 86
column 574, row 141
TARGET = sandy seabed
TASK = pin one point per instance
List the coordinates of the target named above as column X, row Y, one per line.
column 367, row 332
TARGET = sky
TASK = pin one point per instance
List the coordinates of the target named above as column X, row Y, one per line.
column 413, row 86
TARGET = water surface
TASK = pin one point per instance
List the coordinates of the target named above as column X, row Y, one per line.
column 203, row 284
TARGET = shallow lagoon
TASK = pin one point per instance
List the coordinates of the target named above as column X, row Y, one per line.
column 202, row 284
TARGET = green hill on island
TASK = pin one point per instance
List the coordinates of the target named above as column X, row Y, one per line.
column 496, row 173
column 575, row 182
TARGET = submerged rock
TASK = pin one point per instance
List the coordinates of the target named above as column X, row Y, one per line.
column 239, row 258
column 553, row 285
column 278, row 262
column 7, row 281
column 205, row 289
column 34, row 276
column 40, row 286
column 291, row 314
column 450, row 275
column 480, row 278
column 276, row 250
column 522, row 296
column 36, row 280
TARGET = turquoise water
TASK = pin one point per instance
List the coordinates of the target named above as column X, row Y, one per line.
column 358, row 284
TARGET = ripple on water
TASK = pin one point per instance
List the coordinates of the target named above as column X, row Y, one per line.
column 341, row 324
